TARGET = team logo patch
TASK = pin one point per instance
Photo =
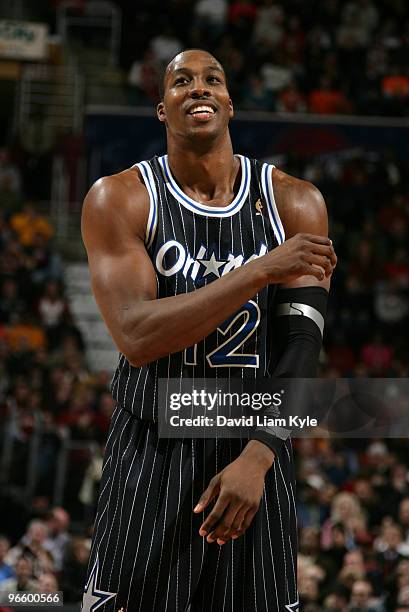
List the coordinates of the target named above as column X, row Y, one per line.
column 259, row 207
column 93, row 597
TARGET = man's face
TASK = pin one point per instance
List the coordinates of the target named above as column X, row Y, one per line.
column 196, row 101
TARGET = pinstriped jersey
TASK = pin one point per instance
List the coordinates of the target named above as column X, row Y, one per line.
column 191, row 245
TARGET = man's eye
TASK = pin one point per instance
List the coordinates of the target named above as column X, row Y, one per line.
column 181, row 80
column 213, row 79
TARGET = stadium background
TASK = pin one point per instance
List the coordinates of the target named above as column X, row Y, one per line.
column 322, row 90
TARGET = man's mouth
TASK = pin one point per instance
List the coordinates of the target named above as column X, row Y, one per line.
column 203, row 111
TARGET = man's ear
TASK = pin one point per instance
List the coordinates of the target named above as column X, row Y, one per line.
column 160, row 111
column 231, row 108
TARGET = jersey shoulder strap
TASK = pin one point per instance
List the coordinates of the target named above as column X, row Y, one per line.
column 265, row 178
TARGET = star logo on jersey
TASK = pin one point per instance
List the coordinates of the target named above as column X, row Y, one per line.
column 293, row 607
column 212, row 266
column 93, row 598
column 259, row 207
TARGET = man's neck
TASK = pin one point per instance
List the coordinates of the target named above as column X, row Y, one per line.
column 206, row 175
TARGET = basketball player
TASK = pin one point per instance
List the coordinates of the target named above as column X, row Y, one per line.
column 186, row 251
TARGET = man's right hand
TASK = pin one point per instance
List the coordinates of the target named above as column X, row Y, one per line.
column 301, row 255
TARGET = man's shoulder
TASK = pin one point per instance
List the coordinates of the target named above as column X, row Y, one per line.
column 298, row 200
column 117, row 193
column 116, row 202
column 291, row 188
column 126, row 183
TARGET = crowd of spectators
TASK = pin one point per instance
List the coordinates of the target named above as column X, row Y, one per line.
column 279, row 55
column 353, row 515
column 45, row 386
column 353, row 497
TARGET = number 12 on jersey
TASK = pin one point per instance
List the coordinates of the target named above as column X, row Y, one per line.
column 227, row 354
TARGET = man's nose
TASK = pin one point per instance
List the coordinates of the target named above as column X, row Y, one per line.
column 199, row 90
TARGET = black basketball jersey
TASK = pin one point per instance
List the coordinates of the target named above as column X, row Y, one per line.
column 190, row 245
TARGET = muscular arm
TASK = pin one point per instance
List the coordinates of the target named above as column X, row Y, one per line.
column 302, row 209
column 239, row 486
column 124, row 281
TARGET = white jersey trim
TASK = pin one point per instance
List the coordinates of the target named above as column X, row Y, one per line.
column 203, row 209
column 268, row 192
column 148, row 179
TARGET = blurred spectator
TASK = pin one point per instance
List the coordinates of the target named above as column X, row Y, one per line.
column 41, row 260
column 28, row 223
column 23, row 580
column 390, row 547
column 242, row 14
column 404, row 518
column 51, row 307
column 32, row 546
column 276, row 75
column 353, row 568
column 75, row 569
column 377, row 356
column 257, row 96
column 56, row 543
column 268, row 29
column 396, row 85
column 47, row 583
column 291, row 100
column 6, row 570
column 361, row 600
column 345, row 510
column 165, row 45
column 10, row 176
column 144, row 77
column 23, row 333
column 327, row 99
column 211, row 18
column 336, row 602
column 10, row 301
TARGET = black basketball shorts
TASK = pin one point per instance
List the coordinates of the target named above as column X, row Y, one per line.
column 147, row 555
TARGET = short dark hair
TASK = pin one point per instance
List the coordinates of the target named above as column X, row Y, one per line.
column 164, row 69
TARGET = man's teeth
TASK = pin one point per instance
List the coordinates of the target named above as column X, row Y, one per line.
column 202, row 109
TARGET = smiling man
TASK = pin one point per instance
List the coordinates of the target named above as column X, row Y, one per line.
column 185, row 251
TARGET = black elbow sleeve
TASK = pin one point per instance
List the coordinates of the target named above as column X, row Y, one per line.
column 298, row 330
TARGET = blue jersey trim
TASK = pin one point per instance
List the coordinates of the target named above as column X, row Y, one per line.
column 267, row 185
column 149, row 181
column 202, row 209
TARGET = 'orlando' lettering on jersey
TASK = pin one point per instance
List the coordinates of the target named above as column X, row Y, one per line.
column 190, row 245
column 197, row 268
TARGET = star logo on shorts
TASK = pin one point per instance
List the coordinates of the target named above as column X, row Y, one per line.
column 293, row 607
column 93, row 598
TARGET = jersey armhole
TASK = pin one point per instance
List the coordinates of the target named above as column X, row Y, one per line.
column 268, row 193
column 149, row 181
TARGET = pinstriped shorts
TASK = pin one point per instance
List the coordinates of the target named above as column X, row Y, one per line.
column 147, row 555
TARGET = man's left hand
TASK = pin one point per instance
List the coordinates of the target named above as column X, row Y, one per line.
column 238, row 489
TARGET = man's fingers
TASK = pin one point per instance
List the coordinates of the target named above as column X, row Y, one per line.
column 322, row 262
column 236, row 527
column 326, row 251
column 209, row 494
column 248, row 519
column 224, row 525
column 316, row 271
column 214, row 516
column 317, row 239
column 243, row 523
